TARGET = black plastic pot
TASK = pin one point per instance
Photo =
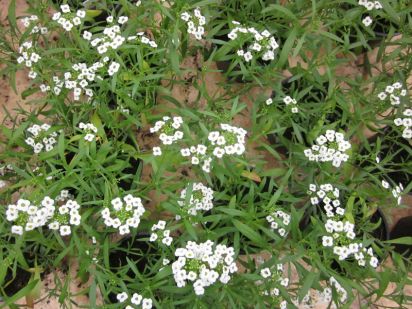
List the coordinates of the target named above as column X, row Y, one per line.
column 403, row 228
column 141, row 252
column 316, row 95
column 12, row 285
column 392, row 143
column 379, row 26
column 381, row 233
column 242, row 192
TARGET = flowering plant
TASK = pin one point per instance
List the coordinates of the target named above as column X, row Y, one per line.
column 174, row 145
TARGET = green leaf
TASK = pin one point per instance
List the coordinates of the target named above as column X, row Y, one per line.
column 190, row 229
column 23, row 292
column 401, row 241
column 92, row 294
column 283, row 11
column 349, row 208
column 286, row 49
column 11, row 16
column 307, row 284
column 248, row 232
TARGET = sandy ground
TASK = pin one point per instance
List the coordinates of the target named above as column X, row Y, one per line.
column 187, row 94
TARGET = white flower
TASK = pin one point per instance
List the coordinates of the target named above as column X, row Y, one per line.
column 367, row 21
column 157, row 151
column 65, row 230
column 113, row 68
column 65, row 8
column 265, row 272
column 327, row 241
column 122, row 19
column 147, row 303
column 248, row 56
column 122, row 297
column 87, row 35
column 15, row 229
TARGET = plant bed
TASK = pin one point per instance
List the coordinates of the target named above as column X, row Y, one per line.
column 213, row 217
column 227, row 54
column 12, row 282
column 248, row 200
column 373, row 35
column 392, row 148
column 309, row 96
column 403, row 228
column 139, row 251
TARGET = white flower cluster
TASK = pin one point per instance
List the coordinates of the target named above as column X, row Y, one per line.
column 229, row 141
column 79, row 80
column 406, row 122
column 341, row 233
column 341, row 236
column 68, row 19
column 27, row 216
column 135, row 300
column 64, row 216
column 275, row 278
column 112, row 37
column 124, row 214
column 343, row 295
column 201, row 199
column 195, row 23
column 289, row 101
column 394, row 92
column 396, row 192
column 261, row 44
column 200, row 264
column 159, row 233
column 33, row 19
column 169, row 133
column 29, row 57
column 369, row 5
column 330, row 147
column 279, row 220
column 40, row 139
column 143, row 39
column 198, row 155
column 329, row 197
column 90, row 130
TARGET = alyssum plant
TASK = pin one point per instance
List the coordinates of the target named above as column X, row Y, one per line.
column 162, row 204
